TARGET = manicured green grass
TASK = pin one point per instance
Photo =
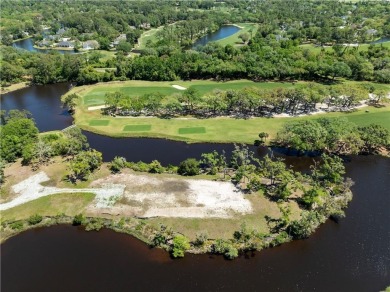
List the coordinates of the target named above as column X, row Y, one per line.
column 95, row 94
column 194, row 130
column 250, row 28
column 362, row 47
column 222, row 129
column 97, row 123
column 70, row 204
column 148, row 35
column 139, row 128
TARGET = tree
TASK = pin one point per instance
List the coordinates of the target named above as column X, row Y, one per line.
column 180, row 245
column 190, row 97
column 189, row 167
column 263, row 137
column 244, row 37
column 69, row 100
column 83, row 164
column 374, row 136
column 16, row 135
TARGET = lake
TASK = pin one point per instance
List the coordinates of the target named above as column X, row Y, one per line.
column 28, row 44
column 352, row 255
column 224, row 32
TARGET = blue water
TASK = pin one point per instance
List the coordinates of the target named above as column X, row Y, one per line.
column 382, row 40
column 224, row 32
column 28, row 44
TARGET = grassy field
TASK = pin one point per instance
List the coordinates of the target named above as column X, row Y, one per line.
column 224, row 228
column 137, row 128
column 363, row 47
column 222, row 129
column 250, row 28
column 146, row 36
column 94, row 94
column 70, row 204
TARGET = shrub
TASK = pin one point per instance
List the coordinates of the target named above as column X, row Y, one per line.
column 34, row 219
column 78, row 219
column 180, row 245
column 231, row 252
column 117, row 164
column 189, row 167
column 17, row 225
column 155, row 167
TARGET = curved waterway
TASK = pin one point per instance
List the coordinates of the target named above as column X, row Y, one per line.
column 352, row 255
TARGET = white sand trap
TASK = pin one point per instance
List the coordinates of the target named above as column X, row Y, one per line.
column 93, row 108
column 179, row 87
column 31, row 189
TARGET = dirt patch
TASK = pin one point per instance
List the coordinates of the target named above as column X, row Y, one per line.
column 155, row 196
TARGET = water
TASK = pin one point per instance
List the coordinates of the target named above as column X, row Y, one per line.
column 224, row 32
column 43, row 102
column 28, row 44
column 382, row 40
column 353, row 255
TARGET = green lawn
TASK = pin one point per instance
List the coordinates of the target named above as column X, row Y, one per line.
column 363, row 47
column 94, row 95
column 135, row 128
column 97, row 123
column 222, row 129
column 148, row 35
column 234, row 39
column 70, row 204
column 194, row 130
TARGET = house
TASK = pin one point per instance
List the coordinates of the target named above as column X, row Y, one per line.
column 44, row 43
column 61, row 31
column 120, row 38
column 371, row 32
column 144, row 25
column 65, row 39
column 90, row 45
column 66, row 44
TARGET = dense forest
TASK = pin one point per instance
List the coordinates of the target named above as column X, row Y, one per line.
column 275, row 52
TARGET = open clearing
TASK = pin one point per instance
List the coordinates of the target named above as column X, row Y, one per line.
column 234, row 40
column 187, row 205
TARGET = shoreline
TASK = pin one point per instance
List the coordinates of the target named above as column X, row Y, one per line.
column 14, row 87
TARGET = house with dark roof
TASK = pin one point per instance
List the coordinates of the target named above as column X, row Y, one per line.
column 66, row 44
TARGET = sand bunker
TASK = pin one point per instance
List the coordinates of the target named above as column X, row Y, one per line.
column 179, row 87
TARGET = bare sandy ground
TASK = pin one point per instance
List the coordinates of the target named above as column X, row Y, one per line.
column 146, row 196
column 31, row 189
column 97, row 107
column 179, row 87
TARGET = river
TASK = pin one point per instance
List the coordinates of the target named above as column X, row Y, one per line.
column 352, row 255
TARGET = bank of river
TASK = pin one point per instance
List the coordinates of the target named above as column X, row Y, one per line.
column 353, row 255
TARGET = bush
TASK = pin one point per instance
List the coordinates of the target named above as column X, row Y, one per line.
column 155, row 167
column 78, row 219
column 34, row 219
column 94, row 224
column 231, row 253
column 117, row 164
column 189, row 167
column 17, row 225
column 180, row 245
